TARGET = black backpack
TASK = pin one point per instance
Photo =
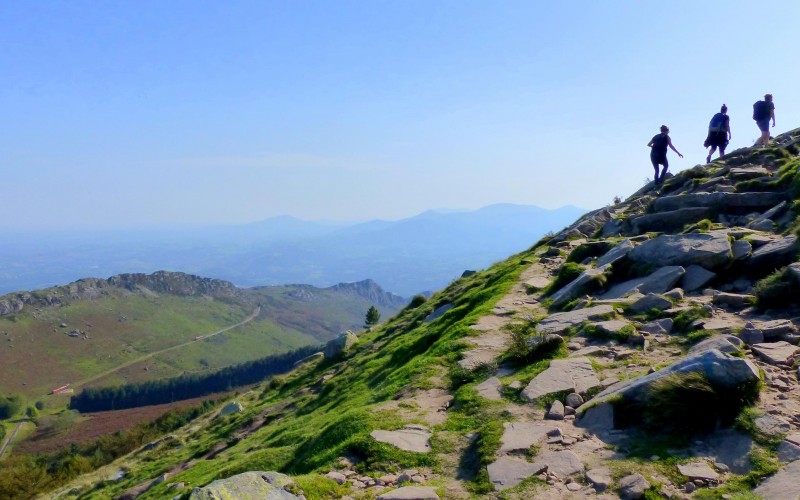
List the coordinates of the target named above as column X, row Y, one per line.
column 760, row 110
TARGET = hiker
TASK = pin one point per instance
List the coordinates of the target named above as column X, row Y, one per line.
column 719, row 132
column 658, row 152
column 763, row 111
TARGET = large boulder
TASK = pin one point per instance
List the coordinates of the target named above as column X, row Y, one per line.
column 728, row 201
column 773, row 255
column 710, row 250
column 585, row 282
column 341, row 344
column 666, row 221
column 615, row 254
column 247, row 486
column 662, row 280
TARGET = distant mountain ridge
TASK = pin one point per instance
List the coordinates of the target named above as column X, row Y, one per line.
column 407, row 256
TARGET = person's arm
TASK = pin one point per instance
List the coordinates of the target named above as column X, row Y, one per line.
column 772, row 115
column 650, row 144
column 669, row 141
column 728, row 128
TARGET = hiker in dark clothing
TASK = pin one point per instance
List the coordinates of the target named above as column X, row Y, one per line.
column 763, row 111
column 719, row 132
column 658, row 152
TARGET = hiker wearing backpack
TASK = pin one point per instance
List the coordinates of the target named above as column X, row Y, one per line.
column 763, row 111
column 719, row 132
column 658, row 152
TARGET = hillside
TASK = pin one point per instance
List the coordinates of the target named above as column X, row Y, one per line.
column 137, row 327
column 649, row 350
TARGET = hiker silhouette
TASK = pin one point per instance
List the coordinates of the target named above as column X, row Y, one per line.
column 763, row 111
column 719, row 132
column 658, row 152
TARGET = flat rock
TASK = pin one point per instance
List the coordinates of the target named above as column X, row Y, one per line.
column 577, row 287
column 490, row 388
column 775, row 328
column 698, row 470
column 520, row 436
column 538, row 282
column 599, row 478
column 612, row 326
column 558, row 322
column 783, row 485
column 410, row 493
column 616, row 253
column 632, row 487
column 508, row 472
column 252, row 484
column 772, row 425
column 731, row 448
column 662, row 280
column 649, row 302
column 776, row 353
column 561, row 463
column 722, row 324
column 696, row 278
column 709, row 250
column 788, row 451
column 735, row 300
column 571, row 374
column 414, row 440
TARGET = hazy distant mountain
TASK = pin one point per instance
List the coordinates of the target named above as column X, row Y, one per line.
column 407, row 256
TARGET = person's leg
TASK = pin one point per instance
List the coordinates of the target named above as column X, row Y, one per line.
column 654, row 161
column 664, row 171
column 708, row 158
column 722, row 151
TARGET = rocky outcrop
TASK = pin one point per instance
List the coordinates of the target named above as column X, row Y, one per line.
column 165, row 282
column 709, row 250
column 371, row 291
column 340, row 345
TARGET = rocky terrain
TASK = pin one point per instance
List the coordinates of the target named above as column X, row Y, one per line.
column 650, row 350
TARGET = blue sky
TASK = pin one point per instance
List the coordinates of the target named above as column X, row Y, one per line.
column 120, row 114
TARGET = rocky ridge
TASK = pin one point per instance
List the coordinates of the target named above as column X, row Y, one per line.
column 649, row 349
column 166, row 282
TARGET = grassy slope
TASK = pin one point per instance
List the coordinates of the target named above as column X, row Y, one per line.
column 335, row 418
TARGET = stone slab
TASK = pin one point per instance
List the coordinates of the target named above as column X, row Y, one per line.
column 558, row 322
column 508, row 472
column 698, row 470
column 572, row 374
column 414, row 440
column 783, row 485
column 410, row 493
column 520, row 436
column 776, row 353
column 490, row 388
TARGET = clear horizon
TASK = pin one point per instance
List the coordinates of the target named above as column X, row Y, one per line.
column 139, row 114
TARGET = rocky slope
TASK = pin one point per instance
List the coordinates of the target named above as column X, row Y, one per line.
column 648, row 350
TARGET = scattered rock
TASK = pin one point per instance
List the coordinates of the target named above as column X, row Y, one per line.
column 698, row 470
column 615, row 254
column 788, row 451
column 561, row 463
column 649, row 302
column 772, row 425
column 438, row 312
column 232, row 407
column 632, row 487
column 574, row 400
column 558, row 322
column 556, row 411
column 336, row 476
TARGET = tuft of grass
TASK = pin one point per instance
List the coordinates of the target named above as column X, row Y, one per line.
column 686, row 404
column 777, row 290
column 566, row 273
column 683, row 320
